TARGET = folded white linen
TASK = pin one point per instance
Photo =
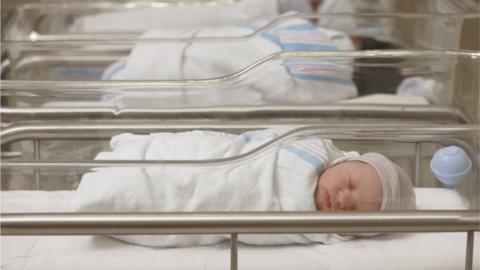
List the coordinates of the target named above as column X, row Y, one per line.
column 283, row 178
column 388, row 99
column 290, row 81
column 430, row 89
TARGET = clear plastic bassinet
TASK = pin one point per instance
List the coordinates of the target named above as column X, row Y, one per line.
column 405, row 91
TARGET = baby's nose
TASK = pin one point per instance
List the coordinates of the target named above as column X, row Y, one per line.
column 345, row 200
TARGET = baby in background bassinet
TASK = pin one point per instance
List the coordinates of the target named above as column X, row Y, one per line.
column 301, row 175
column 320, row 80
column 295, row 80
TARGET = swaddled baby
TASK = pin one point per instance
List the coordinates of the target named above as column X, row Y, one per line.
column 299, row 175
column 296, row 80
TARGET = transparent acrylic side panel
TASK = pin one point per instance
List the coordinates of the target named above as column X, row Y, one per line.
column 63, row 62
column 89, row 59
column 77, row 57
column 408, row 30
column 76, row 19
column 406, row 82
column 80, row 18
column 48, row 150
column 411, row 148
column 385, row 31
column 467, row 87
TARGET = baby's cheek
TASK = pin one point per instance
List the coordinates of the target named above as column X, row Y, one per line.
column 330, row 180
column 374, row 202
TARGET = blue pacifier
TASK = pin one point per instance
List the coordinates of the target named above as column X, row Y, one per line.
column 450, row 165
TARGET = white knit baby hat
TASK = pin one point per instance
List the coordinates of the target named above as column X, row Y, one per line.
column 398, row 193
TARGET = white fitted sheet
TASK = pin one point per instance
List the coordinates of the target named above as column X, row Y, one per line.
column 394, row 251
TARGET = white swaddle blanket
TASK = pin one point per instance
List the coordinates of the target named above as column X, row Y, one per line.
column 283, row 178
column 291, row 81
column 183, row 16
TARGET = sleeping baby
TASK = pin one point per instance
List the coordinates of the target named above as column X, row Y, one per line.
column 285, row 175
column 297, row 80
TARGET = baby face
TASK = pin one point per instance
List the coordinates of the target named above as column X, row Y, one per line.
column 350, row 186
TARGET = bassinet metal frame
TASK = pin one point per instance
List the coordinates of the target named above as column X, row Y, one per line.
column 244, row 223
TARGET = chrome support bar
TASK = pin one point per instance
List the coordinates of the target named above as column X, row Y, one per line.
column 418, row 152
column 11, row 154
column 36, row 156
column 234, row 251
column 238, row 222
column 469, row 256
column 275, row 111
column 105, row 130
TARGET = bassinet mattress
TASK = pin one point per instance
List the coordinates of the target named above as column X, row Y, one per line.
column 394, row 251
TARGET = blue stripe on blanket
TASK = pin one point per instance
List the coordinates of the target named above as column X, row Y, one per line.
column 120, row 66
column 315, row 161
column 261, row 135
column 272, row 38
column 323, row 78
column 266, row 35
column 305, row 28
column 300, row 27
